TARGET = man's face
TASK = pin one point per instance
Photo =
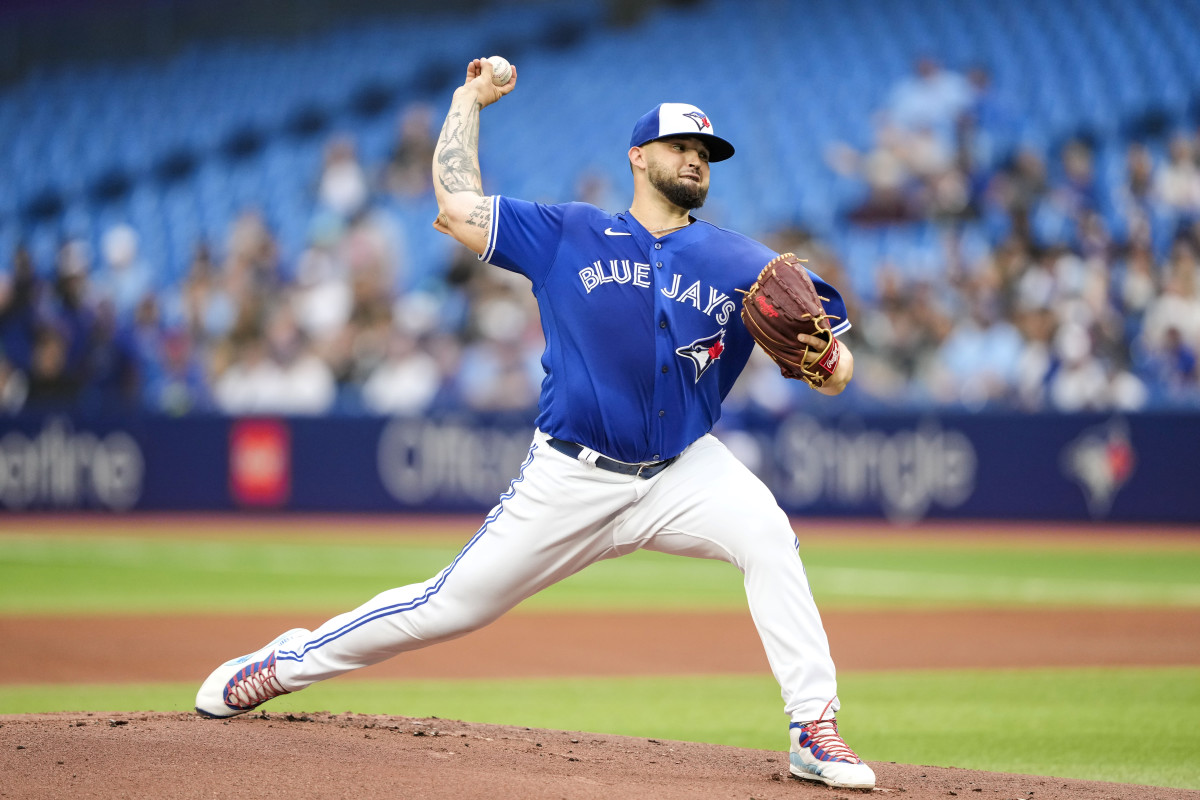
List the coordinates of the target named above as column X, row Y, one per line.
column 678, row 167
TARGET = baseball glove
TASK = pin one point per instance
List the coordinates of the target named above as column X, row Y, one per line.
column 782, row 303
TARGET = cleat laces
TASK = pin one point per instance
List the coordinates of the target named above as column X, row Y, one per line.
column 822, row 739
column 254, row 685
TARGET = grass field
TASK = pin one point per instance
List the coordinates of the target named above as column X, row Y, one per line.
column 225, row 569
column 1130, row 725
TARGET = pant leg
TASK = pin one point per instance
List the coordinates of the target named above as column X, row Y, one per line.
column 555, row 519
column 709, row 505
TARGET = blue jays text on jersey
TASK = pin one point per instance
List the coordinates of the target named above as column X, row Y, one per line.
column 643, row 336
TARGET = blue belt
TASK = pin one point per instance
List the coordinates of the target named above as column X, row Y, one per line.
column 643, row 470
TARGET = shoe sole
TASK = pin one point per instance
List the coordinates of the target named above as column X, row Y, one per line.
column 809, row 776
column 207, row 715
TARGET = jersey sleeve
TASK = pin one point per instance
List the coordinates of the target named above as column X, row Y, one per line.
column 524, row 237
column 835, row 306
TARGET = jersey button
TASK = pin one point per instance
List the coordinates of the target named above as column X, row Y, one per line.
column 662, row 413
column 658, row 264
column 655, row 457
column 664, row 370
column 658, row 245
column 662, row 324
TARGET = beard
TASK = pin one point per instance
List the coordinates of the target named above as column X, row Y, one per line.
column 683, row 193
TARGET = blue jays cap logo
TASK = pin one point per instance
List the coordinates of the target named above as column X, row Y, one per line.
column 701, row 120
column 703, row 353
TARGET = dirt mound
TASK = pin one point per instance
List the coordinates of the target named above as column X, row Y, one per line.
column 359, row 757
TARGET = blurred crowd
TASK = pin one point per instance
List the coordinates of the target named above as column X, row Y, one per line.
column 244, row 332
column 1056, row 293
column 1053, row 296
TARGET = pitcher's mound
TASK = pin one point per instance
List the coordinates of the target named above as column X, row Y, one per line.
column 359, row 757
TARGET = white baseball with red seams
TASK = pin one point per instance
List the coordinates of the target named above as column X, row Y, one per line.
column 501, row 70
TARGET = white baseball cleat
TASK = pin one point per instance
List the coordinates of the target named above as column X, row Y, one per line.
column 820, row 754
column 244, row 683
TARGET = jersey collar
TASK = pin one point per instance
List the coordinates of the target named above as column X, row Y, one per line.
column 645, row 237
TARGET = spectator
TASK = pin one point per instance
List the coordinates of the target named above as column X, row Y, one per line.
column 322, row 298
column 304, row 382
column 986, row 126
column 1136, row 287
column 14, row 388
column 180, row 387
column 407, row 174
column 114, row 370
column 21, row 297
column 1178, row 306
column 980, row 360
column 342, row 187
column 247, row 380
column 1036, row 321
column 205, row 306
column 500, row 370
column 1078, row 381
column 406, row 382
column 932, row 98
column 1018, row 188
column 883, row 170
column 252, row 262
column 72, row 317
column 1136, row 198
column 1172, row 365
column 124, row 279
column 52, row 385
column 1177, row 182
column 902, row 337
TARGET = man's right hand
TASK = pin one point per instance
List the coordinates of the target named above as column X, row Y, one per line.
column 479, row 82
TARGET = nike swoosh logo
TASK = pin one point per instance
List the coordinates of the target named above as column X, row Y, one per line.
column 611, row 232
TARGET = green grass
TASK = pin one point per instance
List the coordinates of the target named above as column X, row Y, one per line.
column 102, row 574
column 1129, row 725
column 1124, row 725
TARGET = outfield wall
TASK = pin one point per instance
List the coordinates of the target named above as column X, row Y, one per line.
column 1125, row 468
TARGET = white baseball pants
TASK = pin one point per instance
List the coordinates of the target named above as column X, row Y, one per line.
column 560, row 515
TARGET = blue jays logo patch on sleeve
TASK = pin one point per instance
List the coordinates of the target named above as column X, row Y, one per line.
column 703, row 353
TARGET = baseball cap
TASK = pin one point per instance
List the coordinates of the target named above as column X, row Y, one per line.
column 679, row 119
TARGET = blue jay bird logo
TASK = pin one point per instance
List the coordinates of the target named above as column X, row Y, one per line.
column 703, row 353
column 1101, row 460
column 701, row 121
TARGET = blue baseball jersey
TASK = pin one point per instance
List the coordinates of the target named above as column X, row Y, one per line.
column 644, row 336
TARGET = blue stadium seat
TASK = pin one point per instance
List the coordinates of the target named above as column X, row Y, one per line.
column 1061, row 68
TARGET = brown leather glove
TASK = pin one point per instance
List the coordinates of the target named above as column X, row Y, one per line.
column 782, row 303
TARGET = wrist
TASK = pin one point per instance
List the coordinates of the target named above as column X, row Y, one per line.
column 827, row 364
column 468, row 92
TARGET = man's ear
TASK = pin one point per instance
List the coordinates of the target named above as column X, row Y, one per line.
column 637, row 159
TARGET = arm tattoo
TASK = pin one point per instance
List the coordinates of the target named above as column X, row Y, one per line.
column 481, row 215
column 458, row 152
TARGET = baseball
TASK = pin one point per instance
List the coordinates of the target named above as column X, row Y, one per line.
column 501, row 70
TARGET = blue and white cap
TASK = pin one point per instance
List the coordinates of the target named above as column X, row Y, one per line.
column 680, row 119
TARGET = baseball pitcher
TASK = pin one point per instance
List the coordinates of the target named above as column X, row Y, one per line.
column 649, row 317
